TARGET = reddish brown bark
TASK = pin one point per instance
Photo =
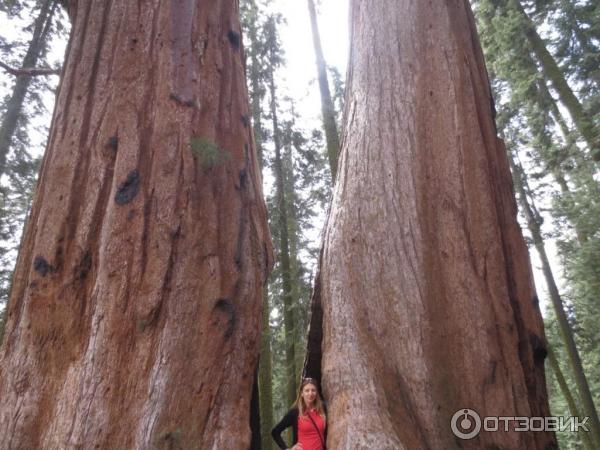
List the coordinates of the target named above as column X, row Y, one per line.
column 133, row 317
column 425, row 284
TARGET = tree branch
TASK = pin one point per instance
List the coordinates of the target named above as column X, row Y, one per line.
column 30, row 71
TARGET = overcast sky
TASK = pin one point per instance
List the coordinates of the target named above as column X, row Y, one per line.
column 300, row 71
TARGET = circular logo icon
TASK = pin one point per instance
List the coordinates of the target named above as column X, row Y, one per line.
column 465, row 424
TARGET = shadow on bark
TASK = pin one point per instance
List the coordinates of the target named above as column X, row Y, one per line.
column 312, row 360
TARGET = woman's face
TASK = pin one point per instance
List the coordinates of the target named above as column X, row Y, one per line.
column 309, row 394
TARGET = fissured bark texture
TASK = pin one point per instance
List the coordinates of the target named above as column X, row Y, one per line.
column 425, row 283
column 135, row 312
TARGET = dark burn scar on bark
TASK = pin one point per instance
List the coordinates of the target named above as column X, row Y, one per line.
column 172, row 438
column 149, row 319
column 58, row 258
column 491, row 378
column 129, row 188
column 84, row 266
column 539, row 347
column 176, row 234
column 242, row 180
column 225, row 306
column 247, row 154
column 41, row 266
column 245, row 120
column 234, row 39
column 113, row 143
column 189, row 103
column 240, row 239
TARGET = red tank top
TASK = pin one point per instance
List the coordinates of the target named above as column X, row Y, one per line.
column 308, row 436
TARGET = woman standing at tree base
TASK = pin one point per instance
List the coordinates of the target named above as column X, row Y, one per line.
column 307, row 419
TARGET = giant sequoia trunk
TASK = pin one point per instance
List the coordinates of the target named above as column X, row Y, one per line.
column 135, row 312
column 425, row 286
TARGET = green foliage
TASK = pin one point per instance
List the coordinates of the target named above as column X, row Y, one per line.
column 208, row 152
column 337, row 93
column 558, row 404
column 575, row 43
column 583, row 276
column 562, row 176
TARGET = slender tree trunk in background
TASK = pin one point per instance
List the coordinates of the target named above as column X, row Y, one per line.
column 137, row 293
column 284, row 249
column 425, row 282
column 554, row 166
column 295, row 264
column 534, row 225
column 583, row 164
column 299, row 346
column 255, row 419
column 589, row 166
column 552, row 72
column 265, row 377
column 14, row 106
column 265, row 371
column 327, row 107
column 564, row 189
column 255, row 77
column 564, row 388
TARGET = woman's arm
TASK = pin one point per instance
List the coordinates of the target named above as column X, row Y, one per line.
column 326, row 423
column 286, row 422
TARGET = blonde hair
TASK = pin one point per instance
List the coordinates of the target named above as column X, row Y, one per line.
column 301, row 404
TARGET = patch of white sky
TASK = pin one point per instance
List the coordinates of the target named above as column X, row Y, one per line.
column 299, row 73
